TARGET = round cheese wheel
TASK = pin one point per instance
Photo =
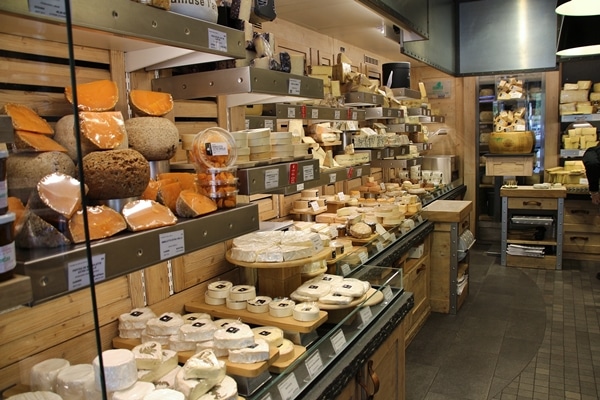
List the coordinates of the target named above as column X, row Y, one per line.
column 234, row 336
column 213, row 301
column 242, row 292
column 165, row 325
column 281, row 308
column 178, row 344
column 210, row 345
column 136, row 318
column 259, row 304
column 131, row 333
column 120, row 370
column 162, row 339
column 193, row 317
column 199, row 331
column 156, row 138
column 314, row 289
column 73, row 381
column 219, row 289
column 271, row 334
column 235, row 305
column 306, row 312
column 286, row 350
column 43, row 374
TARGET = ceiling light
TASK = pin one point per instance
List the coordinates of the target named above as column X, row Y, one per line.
column 578, row 7
column 579, row 36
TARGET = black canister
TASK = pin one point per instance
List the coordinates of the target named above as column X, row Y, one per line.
column 396, row 75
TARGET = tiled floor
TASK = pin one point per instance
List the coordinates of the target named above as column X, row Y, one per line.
column 522, row 334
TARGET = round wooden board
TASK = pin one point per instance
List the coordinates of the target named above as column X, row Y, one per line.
column 285, row 264
column 371, row 302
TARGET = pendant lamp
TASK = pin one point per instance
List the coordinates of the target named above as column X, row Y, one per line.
column 579, row 35
column 578, row 8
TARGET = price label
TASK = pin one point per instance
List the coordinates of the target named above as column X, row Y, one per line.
column 387, row 293
column 300, row 187
column 342, row 196
column 314, row 205
column 332, row 178
column 358, row 172
column 271, row 179
column 79, row 275
column 380, row 229
column 365, row 314
column 171, row 244
column 419, row 218
column 386, row 236
column 217, row 40
column 52, row 8
column 337, row 114
column 217, row 149
column 333, row 231
column 392, row 237
column 288, row 388
column 345, row 269
column 269, row 124
column 338, row 341
column 291, row 112
column 314, row 113
column 389, row 112
column 247, row 124
column 363, row 257
column 294, row 86
column 379, row 246
column 374, row 99
column 308, row 173
column 314, row 364
column 354, row 115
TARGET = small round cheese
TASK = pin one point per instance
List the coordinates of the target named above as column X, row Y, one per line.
column 210, row 345
column 234, row 336
column 219, row 289
column 165, row 394
column 286, row 350
column 259, row 304
column 223, row 322
column 242, row 292
column 349, row 287
column 73, row 381
column 281, row 308
column 201, row 330
column 271, row 334
column 306, row 312
column 235, row 305
column 213, row 301
column 257, row 352
column 43, row 374
column 120, row 370
column 136, row 319
column 166, row 325
column 136, row 392
column 131, row 333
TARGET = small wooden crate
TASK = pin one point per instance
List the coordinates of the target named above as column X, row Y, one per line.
column 505, row 165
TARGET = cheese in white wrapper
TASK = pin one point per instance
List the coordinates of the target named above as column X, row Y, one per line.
column 350, row 287
column 233, row 336
column 136, row 392
column 177, row 344
column 336, row 299
column 219, row 289
column 301, row 298
column 193, row 317
column 120, row 371
column 166, row 324
column 72, row 382
column 257, row 352
column 169, row 362
column 242, row 292
column 165, row 394
column 313, row 289
column 225, row 390
column 43, row 374
column 210, row 345
column 281, row 308
column 148, row 355
column 201, row 330
column 136, row 318
column 39, row 395
column 306, row 312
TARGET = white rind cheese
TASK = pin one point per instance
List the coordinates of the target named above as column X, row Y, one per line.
column 271, row 334
column 257, row 352
column 234, row 336
column 242, row 293
column 170, row 361
column 235, row 305
column 73, row 381
column 38, row 395
column 148, row 355
column 281, row 308
column 120, row 371
column 201, row 330
column 167, row 381
column 299, row 298
column 165, row 394
column 313, row 289
column 193, row 317
column 225, row 390
column 165, row 325
column 306, row 312
column 212, row 301
column 203, row 365
column 162, row 339
column 350, row 287
column 131, row 333
column 259, row 304
column 176, row 344
column 210, row 345
column 43, row 374
column 219, row 289
column 136, row 318
column 336, row 299
column 286, row 350
column 193, row 387
column 136, row 392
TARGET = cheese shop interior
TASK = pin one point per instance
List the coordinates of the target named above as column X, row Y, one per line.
column 358, row 132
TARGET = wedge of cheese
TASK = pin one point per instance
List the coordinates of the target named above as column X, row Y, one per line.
column 100, row 95
column 147, row 214
column 31, row 141
column 151, row 103
column 25, row 119
column 103, row 222
column 104, row 130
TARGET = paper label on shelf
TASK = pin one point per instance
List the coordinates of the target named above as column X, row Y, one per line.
column 78, row 274
column 308, row 172
column 314, row 205
column 363, row 257
column 314, row 113
column 342, row 196
column 291, row 112
column 358, row 172
column 354, row 115
column 386, row 236
column 345, row 268
column 314, row 364
column 332, row 178
column 267, row 397
column 419, row 218
column 288, row 388
column 382, row 185
column 379, row 245
column 51, row 8
column 387, row 293
column 171, row 244
column 294, row 86
column 365, row 315
column 247, row 124
column 338, row 341
column 217, row 40
column 271, row 179
column 269, row 124
column 337, row 114
column 392, row 237
column 380, row 229
column 300, row 187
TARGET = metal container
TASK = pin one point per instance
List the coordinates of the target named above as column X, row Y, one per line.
column 445, row 163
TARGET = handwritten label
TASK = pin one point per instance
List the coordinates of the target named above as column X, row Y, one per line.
column 294, row 86
column 345, row 269
column 338, row 341
column 171, row 244
column 217, row 40
column 308, row 173
column 288, row 388
column 291, row 112
column 271, row 178
column 78, row 271
column 314, row 364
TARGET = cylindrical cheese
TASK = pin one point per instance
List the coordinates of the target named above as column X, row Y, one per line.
column 259, row 304
column 281, row 308
column 120, row 370
column 43, row 374
column 212, row 301
column 235, row 305
column 73, row 381
column 219, row 289
column 242, row 292
column 306, row 312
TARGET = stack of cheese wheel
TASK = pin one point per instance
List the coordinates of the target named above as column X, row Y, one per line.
column 153, row 361
column 241, row 145
column 217, row 292
column 281, row 145
column 159, row 329
column 132, row 324
column 259, row 141
column 331, row 290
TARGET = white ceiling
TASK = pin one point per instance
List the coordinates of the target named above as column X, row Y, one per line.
column 345, row 20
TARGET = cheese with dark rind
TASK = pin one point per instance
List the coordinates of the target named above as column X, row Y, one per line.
column 65, row 136
column 155, row 138
column 191, row 204
column 37, row 233
column 115, row 174
column 147, row 214
column 100, row 95
column 150, row 103
column 104, row 130
column 103, row 222
column 168, row 195
column 24, row 118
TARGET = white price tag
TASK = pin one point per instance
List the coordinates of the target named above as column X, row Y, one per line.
column 382, row 185
column 247, row 124
column 217, row 149
column 288, row 387
column 333, row 231
column 354, row 115
column 363, row 257
column 271, row 179
column 294, row 86
column 387, row 293
column 389, row 112
column 300, row 187
column 52, row 8
column 336, row 114
column 345, row 269
column 358, row 172
column 365, row 314
column 379, row 246
column 386, row 236
column 308, row 173
column 342, row 196
column 314, row 113
column 374, row 99
column 269, row 124
column 78, row 274
column 217, row 40
column 291, row 112
column 314, row 205
column 314, row 364
column 171, row 244
column 338, row 341
column 267, row 397
column 332, row 178
column 380, row 229
column 419, row 218
column 392, row 237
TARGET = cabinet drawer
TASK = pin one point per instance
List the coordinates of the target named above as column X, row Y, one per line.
column 581, row 242
column 418, row 284
column 581, row 212
column 528, row 203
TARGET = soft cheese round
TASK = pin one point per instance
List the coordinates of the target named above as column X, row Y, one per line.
column 242, row 292
column 193, row 317
column 300, row 298
column 336, row 299
column 281, row 308
column 349, row 287
column 177, row 344
column 73, row 381
column 136, row 392
column 120, row 370
column 201, row 330
column 131, row 333
column 136, row 318
column 166, row 324
column 162, row 339
column 43, row 374
column 271, row 334
column 257, row 352
column 235, row 305
column 225, row 390
column 165, row 394
column 314, row 289
column 213, row 301
column 259, row 304
column 210, row 345
column 219, row 289
column 233, row 336
column 286, row 350
column 306, row 312
column 148, row 355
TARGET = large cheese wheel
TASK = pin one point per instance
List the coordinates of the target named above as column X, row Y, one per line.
column 25, row 170
column 74, row 381
column 43, row 374
column 155, row 137
column 115, row 174
column 120, row 370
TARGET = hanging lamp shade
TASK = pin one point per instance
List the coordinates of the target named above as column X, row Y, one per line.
column 579, row 36
column 578, row 7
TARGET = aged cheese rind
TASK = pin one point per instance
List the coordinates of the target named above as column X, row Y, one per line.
column 100, row 95
column 31, row 141
column 37, row 233
column 155, row 138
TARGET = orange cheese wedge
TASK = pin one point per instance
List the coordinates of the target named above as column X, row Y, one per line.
column 142, row 215
column 101, row 95
column 103, row 222
column 191, row 204
column 31, row 141
column 150, row 103
column 25, row 119
column 61, row 193
column 168, row 194
column 104, row 130
column 187, row 180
